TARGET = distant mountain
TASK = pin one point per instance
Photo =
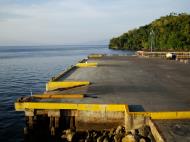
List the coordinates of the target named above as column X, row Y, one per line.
column 171, row 33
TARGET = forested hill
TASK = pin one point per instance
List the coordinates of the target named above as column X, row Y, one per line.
column 169, row 33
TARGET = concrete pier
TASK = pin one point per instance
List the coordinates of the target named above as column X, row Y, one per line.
column 117, row 90
column 149, row 84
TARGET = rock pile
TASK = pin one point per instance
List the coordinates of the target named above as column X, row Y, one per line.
column 114, row 135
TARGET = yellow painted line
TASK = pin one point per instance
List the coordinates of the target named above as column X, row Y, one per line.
column 116, row 107
column 96, row 55
column 64, row 85
column 86, row 65
column 164, row 115
column 21, row 106
column 126, row 109
column 55, row 96
column 170, row 115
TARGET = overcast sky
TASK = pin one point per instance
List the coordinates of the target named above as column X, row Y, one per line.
column 31, row 22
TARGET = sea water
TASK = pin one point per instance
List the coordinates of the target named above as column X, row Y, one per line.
column 26, row 69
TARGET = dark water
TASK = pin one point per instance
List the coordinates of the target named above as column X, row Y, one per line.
column 28, row 68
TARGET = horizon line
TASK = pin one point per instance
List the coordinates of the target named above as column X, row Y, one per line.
column 58, row 45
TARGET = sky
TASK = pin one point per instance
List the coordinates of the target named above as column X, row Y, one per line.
column 47, row 22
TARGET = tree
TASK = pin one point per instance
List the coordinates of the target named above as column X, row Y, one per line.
column 172, row 32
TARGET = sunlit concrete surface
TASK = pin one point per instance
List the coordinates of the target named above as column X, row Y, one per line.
column 145, row 84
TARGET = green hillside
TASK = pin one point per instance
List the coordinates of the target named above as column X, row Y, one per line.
column 169, row 33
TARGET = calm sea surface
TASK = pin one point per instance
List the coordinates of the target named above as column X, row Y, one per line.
column 25, row 68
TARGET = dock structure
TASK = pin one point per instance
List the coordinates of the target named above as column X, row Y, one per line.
column 103, row 92
column 183, row 57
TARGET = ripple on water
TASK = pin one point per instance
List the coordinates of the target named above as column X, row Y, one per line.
column 28, row 68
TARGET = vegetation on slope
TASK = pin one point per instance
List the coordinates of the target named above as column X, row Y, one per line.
column 171, row 33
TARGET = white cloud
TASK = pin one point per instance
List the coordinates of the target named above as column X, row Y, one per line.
column 77, row 21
